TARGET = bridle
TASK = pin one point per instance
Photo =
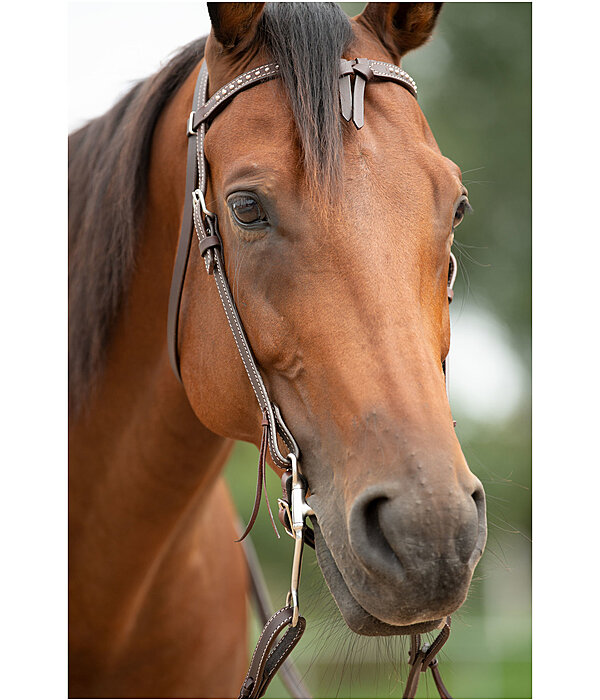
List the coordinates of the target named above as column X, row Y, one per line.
column 293, row 508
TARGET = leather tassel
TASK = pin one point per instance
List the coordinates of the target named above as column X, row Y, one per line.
column 264, row 473
column 346, row 70
column 362, row 72
column 261, row 480
column 358, row 102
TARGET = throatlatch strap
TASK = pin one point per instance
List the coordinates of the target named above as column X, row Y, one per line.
column 185, row 240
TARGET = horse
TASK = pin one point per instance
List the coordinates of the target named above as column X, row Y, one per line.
column 337, row 241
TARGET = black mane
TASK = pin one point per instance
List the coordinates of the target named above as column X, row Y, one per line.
column 307, row 40
column 109, row 162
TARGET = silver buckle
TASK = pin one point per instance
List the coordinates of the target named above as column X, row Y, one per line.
column 190, row 124
column 198, row 198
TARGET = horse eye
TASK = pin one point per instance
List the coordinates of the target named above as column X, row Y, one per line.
column 247, row 210
column 462, row 208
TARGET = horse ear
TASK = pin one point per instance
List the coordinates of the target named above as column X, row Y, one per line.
column 234, row 21
column 401, row 26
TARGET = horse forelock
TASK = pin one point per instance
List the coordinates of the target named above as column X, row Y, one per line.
column 307, row 41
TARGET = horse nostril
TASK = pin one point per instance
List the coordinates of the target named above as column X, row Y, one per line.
column 393, row 533
column 373, row 527
column 368, row 538
column 478, row 495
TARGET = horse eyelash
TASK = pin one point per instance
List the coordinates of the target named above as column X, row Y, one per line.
column 466, row 207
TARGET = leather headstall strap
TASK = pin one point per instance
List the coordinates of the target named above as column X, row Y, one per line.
column 210, row 245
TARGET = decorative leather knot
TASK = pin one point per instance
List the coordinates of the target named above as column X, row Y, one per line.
column 346, row 67
column 265, row 419
column 362, row 67
column 211, row 240
column 352, row 103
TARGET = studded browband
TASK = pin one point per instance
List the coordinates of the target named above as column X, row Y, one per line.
column 362, row 68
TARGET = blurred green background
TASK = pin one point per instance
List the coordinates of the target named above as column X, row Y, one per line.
column 474, row 81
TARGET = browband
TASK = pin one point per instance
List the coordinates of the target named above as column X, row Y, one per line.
column 363, row 69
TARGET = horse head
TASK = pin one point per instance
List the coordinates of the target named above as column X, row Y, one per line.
column 337, row 245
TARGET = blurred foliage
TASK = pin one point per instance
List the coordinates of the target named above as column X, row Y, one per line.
column 474, row 81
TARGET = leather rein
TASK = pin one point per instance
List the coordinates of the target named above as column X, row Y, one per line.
column 283, row 630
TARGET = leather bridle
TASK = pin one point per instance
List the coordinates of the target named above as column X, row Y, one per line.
column 293, row 508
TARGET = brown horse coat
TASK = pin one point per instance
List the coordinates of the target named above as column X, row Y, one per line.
column 343, row 295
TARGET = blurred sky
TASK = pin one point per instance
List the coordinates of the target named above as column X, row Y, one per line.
column 114, row 44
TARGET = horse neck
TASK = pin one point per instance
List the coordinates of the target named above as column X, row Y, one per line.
column 140, row 460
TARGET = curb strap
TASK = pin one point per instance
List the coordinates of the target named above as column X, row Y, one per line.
column 423, row 657
column 268, row 658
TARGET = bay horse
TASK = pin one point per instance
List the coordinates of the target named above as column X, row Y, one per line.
column 337, row 242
